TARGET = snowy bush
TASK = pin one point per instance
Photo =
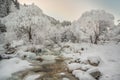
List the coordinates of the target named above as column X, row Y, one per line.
column 54, row 34
column 68, row 35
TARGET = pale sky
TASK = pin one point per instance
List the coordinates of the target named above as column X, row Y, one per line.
column 72, row 9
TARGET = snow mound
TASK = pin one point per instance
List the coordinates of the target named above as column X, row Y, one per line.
column 7, row 67
column 32, row 77
column 81, row 75
column 26, row 55
column 93, row 60
column 74, row 66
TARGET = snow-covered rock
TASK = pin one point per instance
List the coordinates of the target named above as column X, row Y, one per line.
column 95, row 72
column 26, row 55
column 74, row 66
column 81, row 75
column 93, row 60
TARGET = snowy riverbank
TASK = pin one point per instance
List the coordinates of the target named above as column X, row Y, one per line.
column 76, row 58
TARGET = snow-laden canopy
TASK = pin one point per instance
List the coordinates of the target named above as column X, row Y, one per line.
column 27, row 23
column 93, row 23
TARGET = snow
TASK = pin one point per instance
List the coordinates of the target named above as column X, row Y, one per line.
column 92, row 70
column 82, row 75
column 32, row 77
column 107, row 54
column 17, row 43
column 26, row 55
column 74, row 66
column 7, row 67
column 48, row 57
column 65, row 79
column 62, row 74
column 94, row 59
column 92, row 23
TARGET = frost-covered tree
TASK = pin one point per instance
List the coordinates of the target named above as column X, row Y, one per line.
column 2, row 32
column 28, row 23
column 93, row 25
column 114, row 34
column 31, row 25
column 6, row 6
column 68, row 35
column 65, row 23
column 2, row 27
column 17, row 5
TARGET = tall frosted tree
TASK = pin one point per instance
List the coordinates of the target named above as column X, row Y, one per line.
column 28, row 23
column 5, row 6
column 93, row 25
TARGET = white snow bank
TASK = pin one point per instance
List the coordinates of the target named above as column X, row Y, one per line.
column 48, row 57
column 107, row 54
column 81, row 75
column 7, row 67
column 65, row 79
column 26, row 55
column 17, row 43
column 74, row 66
column 32, row 77
column 110, row 56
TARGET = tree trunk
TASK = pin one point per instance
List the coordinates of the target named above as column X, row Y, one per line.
column 96, row 38
column 91, row 39
column 30, row 34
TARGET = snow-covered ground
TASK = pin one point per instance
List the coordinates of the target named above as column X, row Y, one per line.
column 32, row 77
column 106, row 58
column 7, row 67
column 110, row 56
column 107, row 54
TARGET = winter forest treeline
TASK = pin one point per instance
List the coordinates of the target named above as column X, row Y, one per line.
column 29, row 24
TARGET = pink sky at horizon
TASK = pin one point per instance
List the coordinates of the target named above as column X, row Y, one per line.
column 61, row 9
column 66, row 9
